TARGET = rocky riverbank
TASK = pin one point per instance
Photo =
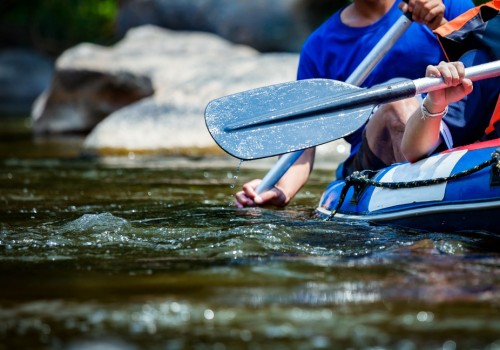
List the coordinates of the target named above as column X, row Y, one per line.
column 147, row 93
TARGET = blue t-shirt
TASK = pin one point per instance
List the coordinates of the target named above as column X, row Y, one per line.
column 334, row 50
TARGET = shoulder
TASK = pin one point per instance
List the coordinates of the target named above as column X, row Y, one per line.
column 322, row 35
column 316, row 45
column 332, row 23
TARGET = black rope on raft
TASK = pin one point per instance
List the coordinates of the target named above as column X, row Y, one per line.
column 362, row 178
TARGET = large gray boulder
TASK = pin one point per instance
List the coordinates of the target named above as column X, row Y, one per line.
column 191, row 70
column 150, row 90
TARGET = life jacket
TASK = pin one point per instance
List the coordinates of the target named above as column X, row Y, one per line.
column 478, row 28
column 493, row 129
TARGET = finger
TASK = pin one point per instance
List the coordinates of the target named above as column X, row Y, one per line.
column 449, row 74
column 417, row 14
column 467, row 85
column 420, row 11
column 434, row 9
column 403, row 6
column 249, row 187
column 457, row 70
column 432, row 15
column 247, row 195
column 429, row 12
column 460, row 91
column 435, row 23
column 459, row 66
column 435, row 17
column 276, row 196
column 432, row 71
column 266, row 197
column 243, row 201
column 410, row 4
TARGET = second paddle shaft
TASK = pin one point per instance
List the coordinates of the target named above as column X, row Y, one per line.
column 475, row 73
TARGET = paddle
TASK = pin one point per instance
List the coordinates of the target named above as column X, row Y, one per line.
column 357, row 77
column 296, row 115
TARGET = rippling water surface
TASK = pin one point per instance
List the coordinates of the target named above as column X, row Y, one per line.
column 141, row 252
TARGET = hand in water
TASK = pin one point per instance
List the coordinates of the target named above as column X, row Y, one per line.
column 248, row 197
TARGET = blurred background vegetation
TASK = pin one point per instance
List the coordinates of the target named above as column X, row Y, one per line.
column 52, row 26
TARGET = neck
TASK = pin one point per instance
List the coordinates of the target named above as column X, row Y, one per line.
column 362, row 13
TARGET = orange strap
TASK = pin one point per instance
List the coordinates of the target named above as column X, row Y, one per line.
column 495, row 118
column 459, row 22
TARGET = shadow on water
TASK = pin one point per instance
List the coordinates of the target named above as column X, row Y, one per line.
column 150, row 253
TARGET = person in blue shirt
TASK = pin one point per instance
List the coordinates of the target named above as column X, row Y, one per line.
column 334, row 51
column 463, row 113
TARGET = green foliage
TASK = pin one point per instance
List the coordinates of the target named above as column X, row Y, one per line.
column 54, row 25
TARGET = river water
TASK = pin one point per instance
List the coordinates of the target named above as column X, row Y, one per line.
column 149, row 252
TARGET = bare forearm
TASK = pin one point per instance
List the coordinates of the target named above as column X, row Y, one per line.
column 422, row 129
column 284, row 191
column 420, row 137
column 295, row 178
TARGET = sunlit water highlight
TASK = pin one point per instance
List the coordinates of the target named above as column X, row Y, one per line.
column 150, row 253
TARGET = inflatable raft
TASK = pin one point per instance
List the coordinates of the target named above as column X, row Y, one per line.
column 457, row 190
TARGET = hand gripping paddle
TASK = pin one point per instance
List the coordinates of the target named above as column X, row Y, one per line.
column 292, row 116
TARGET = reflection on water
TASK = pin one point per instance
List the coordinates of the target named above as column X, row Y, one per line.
column 150, row 253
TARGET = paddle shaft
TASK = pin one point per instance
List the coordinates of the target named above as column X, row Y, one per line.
column 376, row 95
column 475, row 73
column 346, row 111
column 357, row 77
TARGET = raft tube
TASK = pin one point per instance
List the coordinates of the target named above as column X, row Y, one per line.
column 456, row 190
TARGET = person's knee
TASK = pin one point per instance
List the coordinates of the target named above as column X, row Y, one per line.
column 394, row 115
column 383, row 123
column 385, row 130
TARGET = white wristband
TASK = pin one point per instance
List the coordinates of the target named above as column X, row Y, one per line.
column 428, row 115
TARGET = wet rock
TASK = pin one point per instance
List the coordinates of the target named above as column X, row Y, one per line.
column 174, row 117
column 79, row 99
column 148, row 93
column 186, row 71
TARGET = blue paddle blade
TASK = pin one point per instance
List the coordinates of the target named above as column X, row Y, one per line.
column 283, row 118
